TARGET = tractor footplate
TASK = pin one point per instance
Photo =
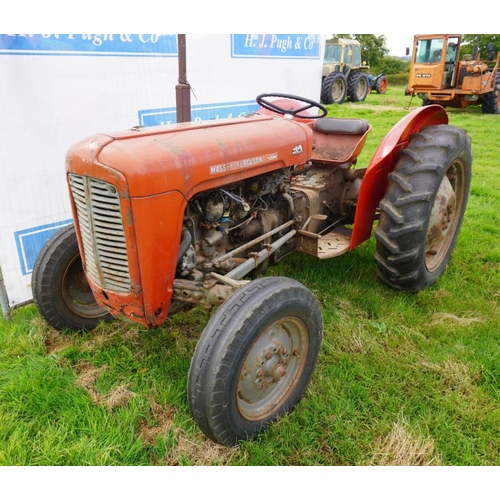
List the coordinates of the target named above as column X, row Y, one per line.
column 332, row 244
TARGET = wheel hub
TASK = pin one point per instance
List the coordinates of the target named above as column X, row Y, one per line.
column 271, row 368
column 273, row 364
column 441, row 221
column 77, row 293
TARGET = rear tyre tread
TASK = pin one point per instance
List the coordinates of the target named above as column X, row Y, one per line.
column 327, row 86
column 490, row 101
column 406, row 208
column 358, row 86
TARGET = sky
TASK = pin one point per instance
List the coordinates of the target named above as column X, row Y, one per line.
column 397, row 42
column 262, row 17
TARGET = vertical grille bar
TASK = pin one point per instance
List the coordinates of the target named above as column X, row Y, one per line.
column 101, row 225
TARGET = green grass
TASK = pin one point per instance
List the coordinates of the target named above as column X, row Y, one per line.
column 402, row 379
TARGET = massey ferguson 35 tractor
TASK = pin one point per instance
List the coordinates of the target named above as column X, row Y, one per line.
column 171, row 217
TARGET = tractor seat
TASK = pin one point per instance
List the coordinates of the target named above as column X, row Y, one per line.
column 350, row 126
column 338, row 140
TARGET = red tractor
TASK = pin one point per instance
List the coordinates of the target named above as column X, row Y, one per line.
column 167, row 218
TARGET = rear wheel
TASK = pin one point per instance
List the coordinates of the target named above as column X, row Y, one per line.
column 358, row 87
column 60, row 289
column 254, row 359
column 334, row 88
column 423, row 208
column 381, row 85
column 490, row 102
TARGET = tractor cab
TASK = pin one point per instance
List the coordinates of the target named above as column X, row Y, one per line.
column 341, row 55
column 435, row 59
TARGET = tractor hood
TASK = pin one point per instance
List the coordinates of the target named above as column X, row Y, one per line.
column 191, row 157
column 329, row 68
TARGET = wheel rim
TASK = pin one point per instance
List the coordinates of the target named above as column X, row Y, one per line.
column 77, row 293
column 445, row 216
column 362, row 89
column 272, row 368
column 338, row 90
column 383, row 86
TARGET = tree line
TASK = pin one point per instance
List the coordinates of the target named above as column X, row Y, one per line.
column 375, row 52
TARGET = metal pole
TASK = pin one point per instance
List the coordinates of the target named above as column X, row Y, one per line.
column 4, row 299
column 182, row 89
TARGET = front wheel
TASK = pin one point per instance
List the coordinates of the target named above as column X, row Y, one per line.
column 61, row 291
column 254, row 359
column 423, row 208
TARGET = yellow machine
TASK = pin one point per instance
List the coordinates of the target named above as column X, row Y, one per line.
column 438, row 76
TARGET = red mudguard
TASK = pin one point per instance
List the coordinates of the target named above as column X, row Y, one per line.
column 382, row 163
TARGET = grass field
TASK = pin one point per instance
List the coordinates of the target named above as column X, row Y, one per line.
column 402, row 379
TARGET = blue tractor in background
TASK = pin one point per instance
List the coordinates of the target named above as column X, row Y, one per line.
column 378, row 83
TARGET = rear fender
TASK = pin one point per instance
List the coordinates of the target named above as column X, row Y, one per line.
column 375, row 180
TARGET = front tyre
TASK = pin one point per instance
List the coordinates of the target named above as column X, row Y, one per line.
column 254, row 359
column 60, row 289
column 423, row 208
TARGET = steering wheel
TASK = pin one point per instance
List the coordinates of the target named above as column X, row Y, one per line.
column 296, row 112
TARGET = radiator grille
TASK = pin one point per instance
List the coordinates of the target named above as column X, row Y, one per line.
column 101, row 226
